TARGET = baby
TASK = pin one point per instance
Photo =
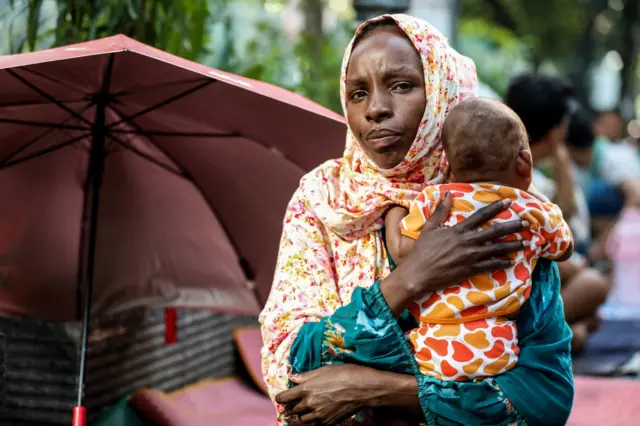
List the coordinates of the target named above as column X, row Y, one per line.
column 466, row 331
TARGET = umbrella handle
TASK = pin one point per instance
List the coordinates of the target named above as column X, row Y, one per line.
column 79, row 416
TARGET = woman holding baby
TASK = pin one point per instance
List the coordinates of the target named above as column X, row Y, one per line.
column 335, row 323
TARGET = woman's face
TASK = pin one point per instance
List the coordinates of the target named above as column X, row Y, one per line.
column 385, row 95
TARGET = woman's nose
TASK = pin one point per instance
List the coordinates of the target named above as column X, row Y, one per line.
column 379, row 108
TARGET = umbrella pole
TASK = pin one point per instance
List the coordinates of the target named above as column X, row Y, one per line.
column 95, row 175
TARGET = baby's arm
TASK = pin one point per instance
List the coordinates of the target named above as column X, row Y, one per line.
column 399, row 246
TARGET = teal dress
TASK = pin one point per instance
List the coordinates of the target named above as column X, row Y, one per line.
column 539, row 391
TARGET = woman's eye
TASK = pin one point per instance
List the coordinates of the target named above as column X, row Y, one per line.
column 357, row 95
column 403, row 87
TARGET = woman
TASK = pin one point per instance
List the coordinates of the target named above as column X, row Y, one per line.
column 335, row 298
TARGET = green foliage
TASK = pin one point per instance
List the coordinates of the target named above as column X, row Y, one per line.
column 179, row 26
column 549, row 28
column 496, row 51
column 185, row 28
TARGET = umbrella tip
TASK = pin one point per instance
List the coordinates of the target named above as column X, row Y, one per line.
column 79, row 416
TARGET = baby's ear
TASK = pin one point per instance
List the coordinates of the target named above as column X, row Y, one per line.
column 524, row 164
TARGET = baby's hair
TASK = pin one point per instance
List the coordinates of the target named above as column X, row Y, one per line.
column 481, row 136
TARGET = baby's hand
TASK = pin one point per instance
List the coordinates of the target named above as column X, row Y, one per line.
column 394, row 238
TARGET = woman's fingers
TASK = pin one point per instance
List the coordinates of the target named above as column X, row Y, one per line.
column 491, row 265
column 498, row 249
column 494, row 232
column 290, row 395
column 483, row 215
column 300, row 408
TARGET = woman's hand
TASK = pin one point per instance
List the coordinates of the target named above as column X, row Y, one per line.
column 333, row 393
column 445, row 256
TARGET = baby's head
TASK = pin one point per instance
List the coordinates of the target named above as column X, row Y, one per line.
column 485, row 141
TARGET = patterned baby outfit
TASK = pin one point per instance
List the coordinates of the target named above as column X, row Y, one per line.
column 464, row 331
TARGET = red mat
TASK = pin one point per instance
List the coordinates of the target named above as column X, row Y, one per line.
column 605, row 402
column 219, row 402
column 214, row 402
column 249, row 342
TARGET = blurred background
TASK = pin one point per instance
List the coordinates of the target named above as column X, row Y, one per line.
column 298, row 44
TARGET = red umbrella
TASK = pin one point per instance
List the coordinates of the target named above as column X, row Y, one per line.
column 131, row 177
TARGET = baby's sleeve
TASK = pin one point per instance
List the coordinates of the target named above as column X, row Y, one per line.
column 556, row 233
column 419, row 213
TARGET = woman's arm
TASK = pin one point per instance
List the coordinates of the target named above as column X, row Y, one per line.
column 540, row 386
column 335, row 392
column 305, row 324
column 303, row 292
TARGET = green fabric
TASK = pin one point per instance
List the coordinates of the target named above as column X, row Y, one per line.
column 122, row 414
column 540, row 387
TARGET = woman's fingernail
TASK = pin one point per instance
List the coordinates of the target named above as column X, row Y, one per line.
column 525, row 223
column 507, row 202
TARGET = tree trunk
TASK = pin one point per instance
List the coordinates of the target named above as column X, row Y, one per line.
column 313, row 34
column 628, row 46
column 503, row 17
column 584, row 55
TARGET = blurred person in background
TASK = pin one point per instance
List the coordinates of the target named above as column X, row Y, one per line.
column 608, row 173
column 543, row 104
column 610, row 125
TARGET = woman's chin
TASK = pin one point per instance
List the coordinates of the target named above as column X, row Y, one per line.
column 386, row 160
column 385, row 155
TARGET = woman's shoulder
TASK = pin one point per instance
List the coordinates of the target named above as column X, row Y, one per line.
column 325, row 174
column 320, row 181
column 314, row 185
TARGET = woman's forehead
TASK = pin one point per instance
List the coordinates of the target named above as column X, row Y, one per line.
column 385, row 46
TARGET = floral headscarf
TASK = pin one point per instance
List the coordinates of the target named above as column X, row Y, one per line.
column 329, row 246
column 350, row 197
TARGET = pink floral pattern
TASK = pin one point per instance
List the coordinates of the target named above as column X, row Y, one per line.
column 330, row 243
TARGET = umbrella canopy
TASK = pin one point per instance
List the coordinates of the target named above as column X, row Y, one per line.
column 160, row 181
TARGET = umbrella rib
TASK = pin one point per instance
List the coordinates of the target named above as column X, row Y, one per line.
column 149, row 158
column 53, row 80
column 36, row 139
column 7, row 164
column 177, row 134
column 166, row 102
column 28, row 104
column 47, row 96
column 150, row 88
column 42, row 124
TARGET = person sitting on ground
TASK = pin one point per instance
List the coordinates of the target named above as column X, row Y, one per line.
column 543, row 104
column 465, row 331
column 609, row 175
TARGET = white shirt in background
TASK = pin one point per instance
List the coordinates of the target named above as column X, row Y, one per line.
column 580, row 222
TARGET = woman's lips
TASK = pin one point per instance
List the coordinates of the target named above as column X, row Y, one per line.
column 382, row 140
